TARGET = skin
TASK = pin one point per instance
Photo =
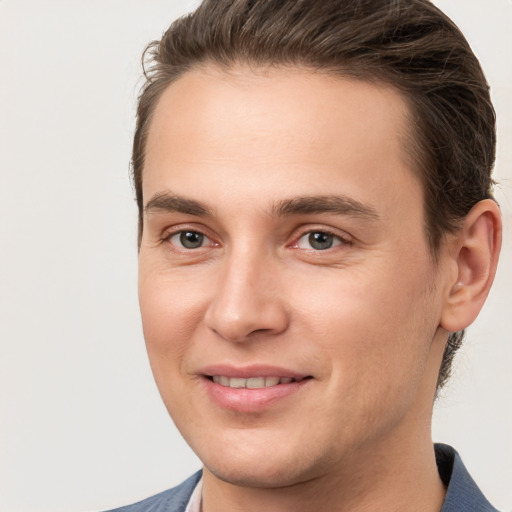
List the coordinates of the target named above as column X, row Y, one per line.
column 366, row 319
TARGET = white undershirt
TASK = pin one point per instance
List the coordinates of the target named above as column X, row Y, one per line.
column 194, row 503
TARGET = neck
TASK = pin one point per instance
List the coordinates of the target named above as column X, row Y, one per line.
column 374, row 481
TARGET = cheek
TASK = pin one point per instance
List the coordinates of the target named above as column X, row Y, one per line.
column 373, row 325
column 169, row 317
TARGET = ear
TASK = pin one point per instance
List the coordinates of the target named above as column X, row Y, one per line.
column 476, row 249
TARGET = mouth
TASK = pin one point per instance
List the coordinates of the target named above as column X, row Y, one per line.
column 252, row 391
column 252, row 382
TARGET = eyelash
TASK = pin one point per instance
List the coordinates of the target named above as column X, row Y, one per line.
column 179, row 233
column 341, row 240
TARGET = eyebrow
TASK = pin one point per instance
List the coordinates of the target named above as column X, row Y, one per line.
column 168, row 202
column 338, row 205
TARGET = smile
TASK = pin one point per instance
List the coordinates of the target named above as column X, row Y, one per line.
column 252, row 382
column 252, row 394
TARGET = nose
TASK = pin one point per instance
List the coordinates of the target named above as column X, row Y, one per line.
column 247, row 300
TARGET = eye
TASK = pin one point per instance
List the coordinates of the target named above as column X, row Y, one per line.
column 188, row 239
column 319, row 240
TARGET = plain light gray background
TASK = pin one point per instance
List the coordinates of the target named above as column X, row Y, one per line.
column 82, row 427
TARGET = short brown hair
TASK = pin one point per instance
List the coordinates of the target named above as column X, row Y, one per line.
column 409, row 44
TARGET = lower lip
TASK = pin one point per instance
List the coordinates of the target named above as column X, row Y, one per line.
column 251, row 400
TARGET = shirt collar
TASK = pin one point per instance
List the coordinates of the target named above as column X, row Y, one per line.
column 462, row 493
column 194, row 503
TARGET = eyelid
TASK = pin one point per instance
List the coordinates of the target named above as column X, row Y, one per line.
column 344, row 238
column 169, row 233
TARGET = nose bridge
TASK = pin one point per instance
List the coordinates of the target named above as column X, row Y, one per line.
column 246, row 298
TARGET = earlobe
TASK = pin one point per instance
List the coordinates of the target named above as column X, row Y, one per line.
column 477, row 247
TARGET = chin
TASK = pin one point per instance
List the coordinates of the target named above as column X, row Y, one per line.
column 255, row 477
column 264, row 468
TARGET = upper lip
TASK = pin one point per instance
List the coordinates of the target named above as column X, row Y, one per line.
column 251, row 371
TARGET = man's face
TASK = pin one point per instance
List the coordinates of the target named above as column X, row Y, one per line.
column 284, row 252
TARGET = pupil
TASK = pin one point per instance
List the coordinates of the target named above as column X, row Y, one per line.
column 320, row 241
column 191, row 239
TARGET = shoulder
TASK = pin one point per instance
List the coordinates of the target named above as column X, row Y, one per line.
column 172, row 500
column 462, row 493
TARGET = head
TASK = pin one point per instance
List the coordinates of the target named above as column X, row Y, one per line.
column 409, row 45
column 305, row 171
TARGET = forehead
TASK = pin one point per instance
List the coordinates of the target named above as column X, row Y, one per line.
column 276, row 129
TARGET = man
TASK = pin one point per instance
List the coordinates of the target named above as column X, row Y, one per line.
column 316, row 231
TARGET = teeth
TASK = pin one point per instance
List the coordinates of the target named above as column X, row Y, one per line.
column 252, row 383
column 235, row 382
column 255, row 383
column 271, row 381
